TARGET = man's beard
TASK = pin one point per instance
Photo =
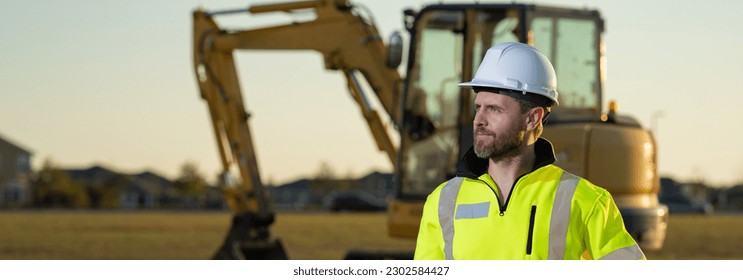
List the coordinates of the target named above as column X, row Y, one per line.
column 501, row 147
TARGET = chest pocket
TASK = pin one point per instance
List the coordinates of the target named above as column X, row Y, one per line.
column 473, row 211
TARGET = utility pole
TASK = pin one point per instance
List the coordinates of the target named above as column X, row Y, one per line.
column 654, row 122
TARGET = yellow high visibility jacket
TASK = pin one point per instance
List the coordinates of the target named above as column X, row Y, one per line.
column 549, row 214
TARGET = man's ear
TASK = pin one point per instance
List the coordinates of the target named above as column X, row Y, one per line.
column 534, row 117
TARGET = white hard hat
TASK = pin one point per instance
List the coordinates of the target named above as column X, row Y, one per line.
column 517, row 67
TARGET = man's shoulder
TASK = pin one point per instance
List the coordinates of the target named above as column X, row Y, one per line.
column 454, row 182
column 589, row 191
column 584, row 185
column 451, row 182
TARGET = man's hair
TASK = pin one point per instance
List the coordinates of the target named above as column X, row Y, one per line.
column 526, row 105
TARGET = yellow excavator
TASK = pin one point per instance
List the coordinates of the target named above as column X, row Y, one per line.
column 431, row 114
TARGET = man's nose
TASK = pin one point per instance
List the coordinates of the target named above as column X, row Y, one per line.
column 478, row 120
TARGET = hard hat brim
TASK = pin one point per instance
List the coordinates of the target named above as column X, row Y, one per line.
column 537, row 99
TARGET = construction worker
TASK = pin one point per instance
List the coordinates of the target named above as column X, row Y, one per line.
column 508, row 200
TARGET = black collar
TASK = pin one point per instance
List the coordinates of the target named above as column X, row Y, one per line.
column 472, row 166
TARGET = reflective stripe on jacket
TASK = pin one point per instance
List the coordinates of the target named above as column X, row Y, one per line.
column 550, row 214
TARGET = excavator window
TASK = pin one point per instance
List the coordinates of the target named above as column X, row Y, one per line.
column 572, row 46
column 434, row 96
column 492, row 27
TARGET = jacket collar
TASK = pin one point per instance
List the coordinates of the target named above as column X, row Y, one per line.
column 471, row 166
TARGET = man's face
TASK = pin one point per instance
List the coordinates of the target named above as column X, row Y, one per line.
column 498, row 127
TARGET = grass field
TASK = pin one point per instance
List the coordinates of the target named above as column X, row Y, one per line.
column 70, row 235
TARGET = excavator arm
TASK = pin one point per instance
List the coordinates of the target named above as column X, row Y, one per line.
column 354, row 47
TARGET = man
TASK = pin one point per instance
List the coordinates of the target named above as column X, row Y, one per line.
column 508, row 200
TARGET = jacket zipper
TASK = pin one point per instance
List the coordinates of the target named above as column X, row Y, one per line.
column 530, row 237
column 502, row 209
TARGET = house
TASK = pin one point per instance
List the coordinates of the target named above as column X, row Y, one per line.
column 292, row 196
column 145, row 190
column 15, row 174
column 378, row 184
column 684, row 197
column 730, row 199
column 305, row 194
column 136, row 192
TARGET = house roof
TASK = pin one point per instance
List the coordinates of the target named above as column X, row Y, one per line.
column 100, row 175
column 94, row 174
column 154, row 178
column 4, row 140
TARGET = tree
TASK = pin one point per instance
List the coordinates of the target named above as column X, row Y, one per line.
column 325, row 172
column 54, row 188
column 190, row 180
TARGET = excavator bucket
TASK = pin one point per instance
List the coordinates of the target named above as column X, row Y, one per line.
column 248, row 239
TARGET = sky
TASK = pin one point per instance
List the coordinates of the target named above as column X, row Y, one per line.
column 111, row 83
